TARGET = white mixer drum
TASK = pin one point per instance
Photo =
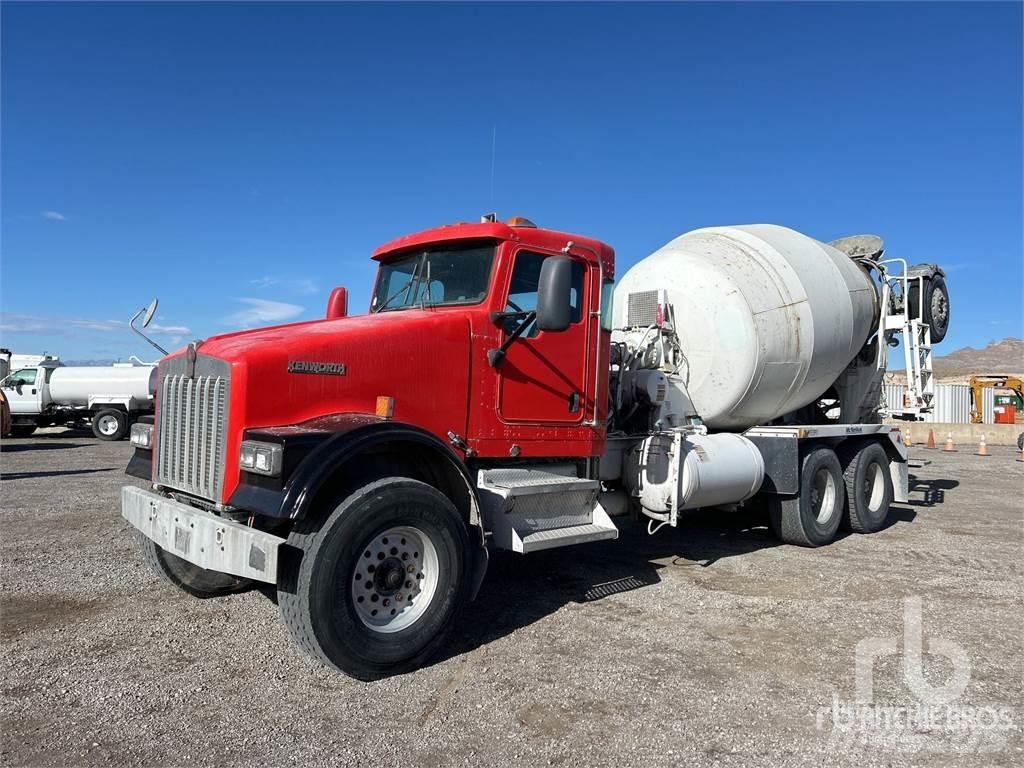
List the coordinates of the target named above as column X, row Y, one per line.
column 767, row 318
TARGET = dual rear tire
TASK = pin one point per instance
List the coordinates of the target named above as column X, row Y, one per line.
column 851, row 490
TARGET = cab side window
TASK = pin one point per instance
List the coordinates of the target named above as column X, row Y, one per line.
column 27, row 375
column 522, row 292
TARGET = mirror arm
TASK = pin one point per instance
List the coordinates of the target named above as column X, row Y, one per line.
column 495, row 356
column 131, row 324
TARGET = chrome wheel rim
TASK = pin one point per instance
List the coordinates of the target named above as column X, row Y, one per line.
column 395, row 578
column 823, row 495
column 107, row 425
column 940, row 309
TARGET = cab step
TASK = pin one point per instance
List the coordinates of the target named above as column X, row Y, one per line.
column 534, row 508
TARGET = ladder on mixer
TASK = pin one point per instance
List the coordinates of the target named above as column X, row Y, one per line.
column 916, row 340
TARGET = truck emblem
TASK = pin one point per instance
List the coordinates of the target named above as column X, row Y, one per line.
column 305, row 366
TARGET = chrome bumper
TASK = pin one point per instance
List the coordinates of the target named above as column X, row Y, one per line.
column 201, row 537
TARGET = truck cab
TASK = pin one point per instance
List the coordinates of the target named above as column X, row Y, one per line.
column 477, row 377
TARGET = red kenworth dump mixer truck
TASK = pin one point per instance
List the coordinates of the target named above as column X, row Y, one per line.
column 504, row 392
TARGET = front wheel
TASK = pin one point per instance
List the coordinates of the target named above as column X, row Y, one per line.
column 198, row 582
column 110, row 424
column 22, row 430
column 379, row 583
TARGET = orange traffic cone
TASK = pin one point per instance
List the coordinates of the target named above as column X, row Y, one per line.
column 949, row 443
column 982, row 448
column 931, row 440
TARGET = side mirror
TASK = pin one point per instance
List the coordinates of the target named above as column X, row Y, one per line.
column 554, row 294
column 337, row 304
column 147, row 318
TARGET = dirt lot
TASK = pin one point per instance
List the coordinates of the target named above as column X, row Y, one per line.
column 707, row 644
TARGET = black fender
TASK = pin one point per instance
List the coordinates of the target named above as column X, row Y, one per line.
column 315, row 451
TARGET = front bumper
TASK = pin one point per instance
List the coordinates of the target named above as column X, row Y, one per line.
column 201, row 537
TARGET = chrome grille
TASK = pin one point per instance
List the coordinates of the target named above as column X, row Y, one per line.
column 191, row 432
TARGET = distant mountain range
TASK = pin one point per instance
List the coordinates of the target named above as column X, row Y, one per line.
column 90, row 362
column 1005, row 357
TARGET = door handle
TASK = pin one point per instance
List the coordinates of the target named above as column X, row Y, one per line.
column 33, row 391
column 574, row 402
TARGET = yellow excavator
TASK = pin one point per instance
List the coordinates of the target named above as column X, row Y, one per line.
column 1012, row 383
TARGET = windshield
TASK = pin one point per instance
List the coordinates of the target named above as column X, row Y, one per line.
column 434, row 277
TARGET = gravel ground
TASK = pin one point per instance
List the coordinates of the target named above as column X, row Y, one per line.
column 707, row 644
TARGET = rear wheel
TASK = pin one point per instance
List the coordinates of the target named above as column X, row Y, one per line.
column 380, row 581
column 868, row 488
column 110, row 424
column 811, row 518
column 935, row 311
column 187, row 577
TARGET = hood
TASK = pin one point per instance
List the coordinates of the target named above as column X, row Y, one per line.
column 291, row 373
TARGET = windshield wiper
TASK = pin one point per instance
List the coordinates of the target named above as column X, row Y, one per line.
column 405, row 288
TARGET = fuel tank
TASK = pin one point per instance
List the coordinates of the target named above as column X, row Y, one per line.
column 767, row 318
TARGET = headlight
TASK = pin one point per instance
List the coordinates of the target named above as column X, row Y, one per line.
column 142, row 436
column 261, row 458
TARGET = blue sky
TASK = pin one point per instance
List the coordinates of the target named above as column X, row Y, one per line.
column 240, row 160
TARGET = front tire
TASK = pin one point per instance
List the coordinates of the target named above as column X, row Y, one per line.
column 198, row 582
column 812, row 517
column 110, row 424
column 22, row 430
column 868, row 488
column 380, row 582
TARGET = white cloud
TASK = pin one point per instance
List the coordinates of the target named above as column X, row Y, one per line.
column 13, row 322
column 263, row 312
column 176, row 331
column 52, row 215
column 99, row 325
column 298, row 285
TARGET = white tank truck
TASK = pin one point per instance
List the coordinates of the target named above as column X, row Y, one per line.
column 747, row 362
column 48, row 393
column 51, row 394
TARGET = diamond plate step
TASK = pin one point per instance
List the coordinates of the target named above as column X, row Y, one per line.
column 523, row 482
column 534, row 508
column 563, row 537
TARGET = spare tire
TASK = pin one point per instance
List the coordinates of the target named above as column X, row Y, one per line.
column 936, row 306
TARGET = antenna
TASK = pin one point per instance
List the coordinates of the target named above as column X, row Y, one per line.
column 494, row 144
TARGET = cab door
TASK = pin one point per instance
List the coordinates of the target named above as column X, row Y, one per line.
column 23, row 389
column 543, row 377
